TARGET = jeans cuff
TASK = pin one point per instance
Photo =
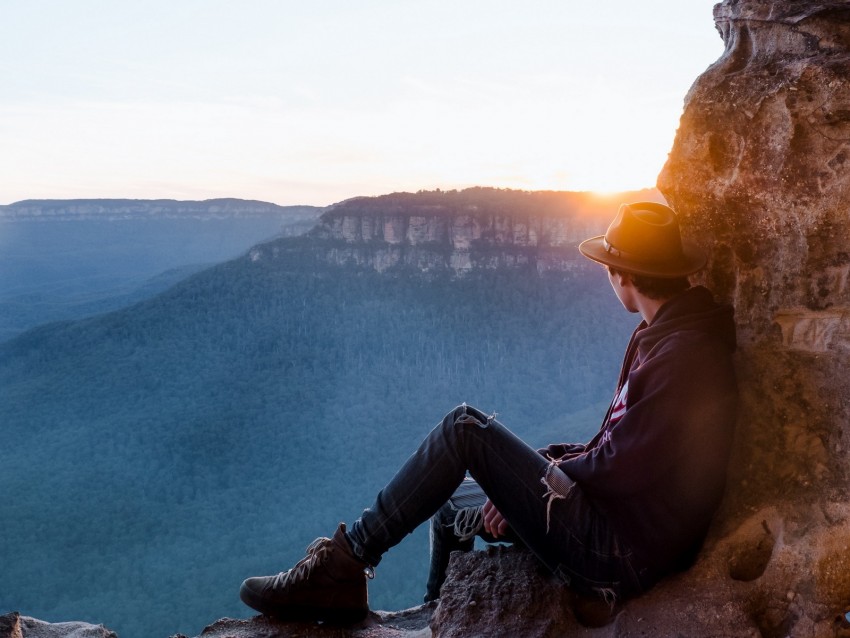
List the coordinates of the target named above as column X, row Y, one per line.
column 360, row 551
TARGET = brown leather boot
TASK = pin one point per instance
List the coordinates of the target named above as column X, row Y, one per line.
column 328, row 584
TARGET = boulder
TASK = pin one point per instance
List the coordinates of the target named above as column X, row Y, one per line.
column 13, row 625
column 759, row 173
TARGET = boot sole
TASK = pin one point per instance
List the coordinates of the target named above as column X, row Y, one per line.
column 333, row 615
column 330, row 616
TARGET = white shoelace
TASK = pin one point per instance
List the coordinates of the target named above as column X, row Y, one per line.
column 317, row 553
column 468, row 522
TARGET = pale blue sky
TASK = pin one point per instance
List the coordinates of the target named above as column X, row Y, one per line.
column 314, row 102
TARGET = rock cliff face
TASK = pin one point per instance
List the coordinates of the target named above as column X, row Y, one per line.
column 759, row 171
column 118, row 209
column 460, row 231
column 441, row 239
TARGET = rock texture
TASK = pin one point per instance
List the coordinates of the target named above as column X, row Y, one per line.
column 13, row 625
column 410, row 623
column 459, row 231
column 760, row 171
column 730, row 593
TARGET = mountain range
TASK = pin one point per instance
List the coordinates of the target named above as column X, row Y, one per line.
column 67, row 259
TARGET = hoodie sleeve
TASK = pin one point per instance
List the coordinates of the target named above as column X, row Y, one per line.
column 674, row 397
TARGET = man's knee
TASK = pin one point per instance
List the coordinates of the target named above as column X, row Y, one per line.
column 467, row 415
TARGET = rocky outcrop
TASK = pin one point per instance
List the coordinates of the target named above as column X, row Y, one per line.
column 728, row 593
column 759, row 172
column 13, row 625
column 460, row 231
column 410, row 623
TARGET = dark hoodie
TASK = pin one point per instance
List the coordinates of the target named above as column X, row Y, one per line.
column 657, row 467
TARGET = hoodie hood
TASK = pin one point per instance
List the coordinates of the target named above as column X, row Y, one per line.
column 693, row 310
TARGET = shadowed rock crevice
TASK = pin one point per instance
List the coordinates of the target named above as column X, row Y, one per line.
column 749, row 560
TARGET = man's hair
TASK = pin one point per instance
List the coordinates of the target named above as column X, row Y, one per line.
column 656, row 287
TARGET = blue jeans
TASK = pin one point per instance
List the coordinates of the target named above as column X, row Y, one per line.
column 562, row 529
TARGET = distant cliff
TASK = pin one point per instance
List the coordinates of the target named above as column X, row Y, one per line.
column 135, row 209
column 460, row 231
column 66, row 259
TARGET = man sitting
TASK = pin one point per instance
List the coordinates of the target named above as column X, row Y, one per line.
column 609, row 517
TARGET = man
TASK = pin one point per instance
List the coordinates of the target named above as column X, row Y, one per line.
column 609, row 517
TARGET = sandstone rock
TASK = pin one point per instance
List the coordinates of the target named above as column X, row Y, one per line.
column 10, row 625
column 759, row 173
column 728, row 593
column 13, row 625
column 501, row 592
column 460, row 232
column 410, row 623
column 504, row 593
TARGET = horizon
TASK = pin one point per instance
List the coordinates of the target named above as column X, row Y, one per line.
column 312, row 105
column 599, row 195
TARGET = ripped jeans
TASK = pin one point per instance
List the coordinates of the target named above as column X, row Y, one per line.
column 544, row 508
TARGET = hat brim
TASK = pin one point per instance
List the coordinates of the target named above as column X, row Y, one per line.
column 692, row 260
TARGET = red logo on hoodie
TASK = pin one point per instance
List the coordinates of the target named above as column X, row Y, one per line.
column 618, row 408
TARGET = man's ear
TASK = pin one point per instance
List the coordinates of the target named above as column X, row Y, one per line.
column 625, row 279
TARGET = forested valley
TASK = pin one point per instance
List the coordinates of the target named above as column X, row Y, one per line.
column 156, row 456
column 69, row 259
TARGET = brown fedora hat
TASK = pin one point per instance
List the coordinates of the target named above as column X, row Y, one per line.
column 644, row 239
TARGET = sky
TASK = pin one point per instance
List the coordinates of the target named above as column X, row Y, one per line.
column 316, row 101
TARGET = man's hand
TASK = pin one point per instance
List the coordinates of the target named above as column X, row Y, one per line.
column 494, row 523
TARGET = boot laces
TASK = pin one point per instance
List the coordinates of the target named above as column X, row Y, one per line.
column 317, row 553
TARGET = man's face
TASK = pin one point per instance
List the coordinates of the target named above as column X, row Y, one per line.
column 624, row 289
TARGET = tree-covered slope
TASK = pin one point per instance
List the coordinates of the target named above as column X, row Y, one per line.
column 156, row 456
column 68, row 259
